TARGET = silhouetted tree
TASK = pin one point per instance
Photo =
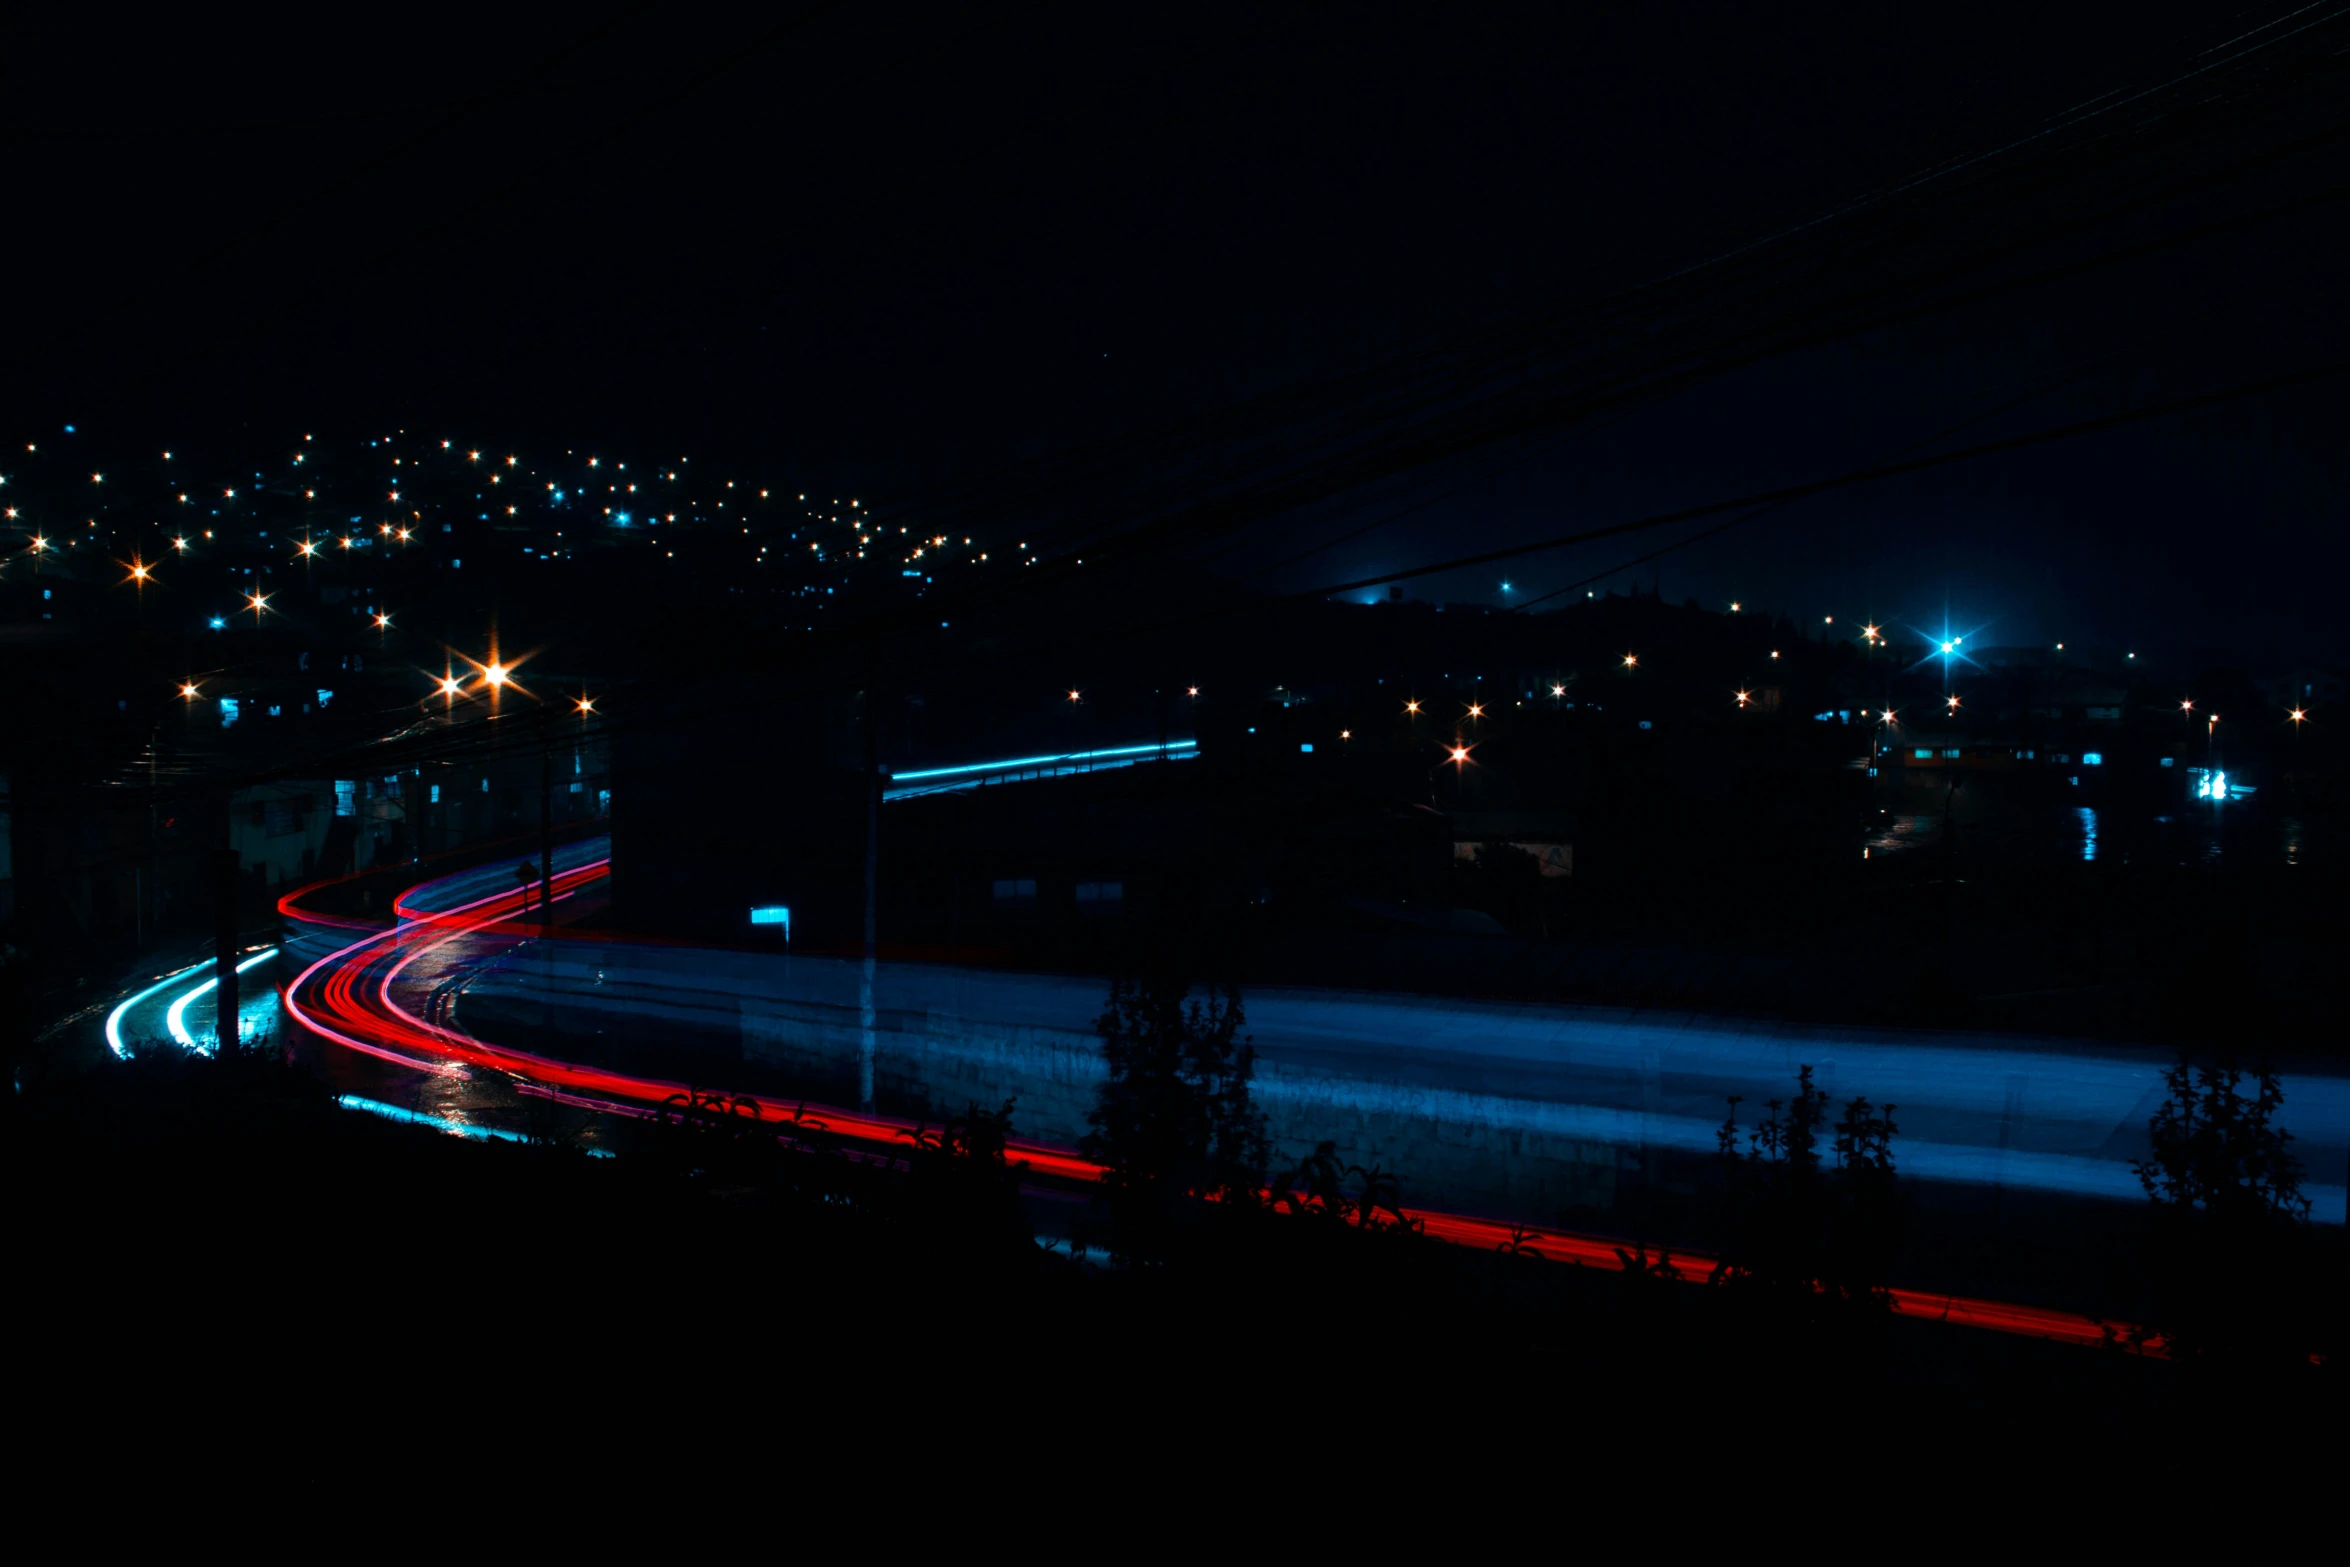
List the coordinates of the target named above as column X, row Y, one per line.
column 2219, row 1152
column 2233, row 1277
column 1174, row 1118
column 1796, row 1229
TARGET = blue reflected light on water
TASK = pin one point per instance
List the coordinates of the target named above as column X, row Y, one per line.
column 443, row 1123
column 2088, row 815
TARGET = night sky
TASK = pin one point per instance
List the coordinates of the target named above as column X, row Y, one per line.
column 1259, row 278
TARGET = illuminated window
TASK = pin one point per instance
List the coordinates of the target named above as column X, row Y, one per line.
column 1924, row 753
column 774, row 915
column 436, row 795
column 2092, row 758
column 1100, row 897
column 1016, row 893
column 346, row 796
column 1307, row 749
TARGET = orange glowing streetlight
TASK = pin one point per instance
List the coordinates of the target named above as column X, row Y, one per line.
column 1412, row 708
column 1631, row 661
column 257, row 603
column 1073, row 696
column 1952, row 702
column 1744, row 697
column 1476, row 710
column 585, row 705
column 2297, row 715
column 383, row 622
column 188, row 690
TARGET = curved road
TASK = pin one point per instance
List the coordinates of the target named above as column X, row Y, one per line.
column 1494, row 1108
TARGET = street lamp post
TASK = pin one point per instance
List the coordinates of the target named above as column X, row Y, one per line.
column 224, row 944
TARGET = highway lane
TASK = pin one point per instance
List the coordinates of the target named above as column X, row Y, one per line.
column 1489, row 1106
column 392, row 988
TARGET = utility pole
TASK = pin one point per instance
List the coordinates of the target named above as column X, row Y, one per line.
column 547, row 821
column 224, row 947
column 865, row 1009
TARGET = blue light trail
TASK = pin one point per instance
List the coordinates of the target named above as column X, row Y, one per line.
column 177, row 1018
column 115, row 1017
column 1018, row 762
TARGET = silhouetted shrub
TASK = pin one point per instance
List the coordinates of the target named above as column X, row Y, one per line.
column 2234, row 1274
column 1798, row 1231
column 963, row 1182
column 1174, row 1118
